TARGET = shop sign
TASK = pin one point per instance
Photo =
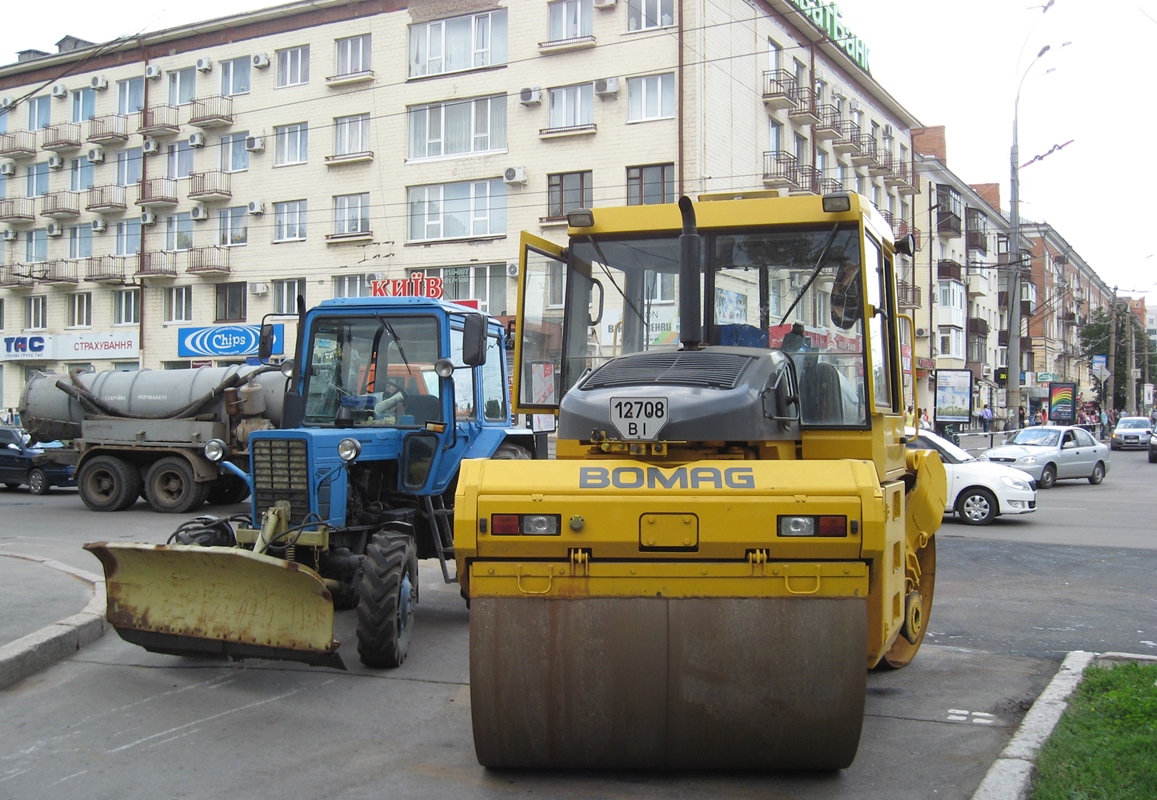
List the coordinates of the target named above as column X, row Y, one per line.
column 225, row 340
column 827, row 18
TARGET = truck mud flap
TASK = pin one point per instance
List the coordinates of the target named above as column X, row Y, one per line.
column 218, row 602
column 667, row 683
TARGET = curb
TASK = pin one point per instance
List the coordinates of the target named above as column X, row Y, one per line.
column 1010, row 776
column 32, row 653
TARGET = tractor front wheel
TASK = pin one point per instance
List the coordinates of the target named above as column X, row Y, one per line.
column 387, row 597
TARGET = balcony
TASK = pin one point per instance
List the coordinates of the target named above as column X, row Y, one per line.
column 16, row 276
column 62, row 136
column 211, row 112
column 947, row 269
column 847, row 137
column 109, row 269
column 978, row 241
column 347, row 78
column 897, row 174
column 902, row 229
column 807, row 181
column 882, row 167
column 904, row 178
column 18, row 210
column 827, row 129
column 158, row 192
column 866, row 152
column 978, row 326
column 1069, row 317
column 209, row 261
column 977, row 282
column 780, row 169
column 1025, row 341
column 60, row 205
column 907, row 295
column 209, row 186
column 351, row 158
column 60, row 271
column 566, row 45
column 160, row 263
column 947, row 223
column 805, row 111
column 18, row 144
column 568, row 130
column 159, row 121
column 109, row 129
column 778, row 89
column 107, row 199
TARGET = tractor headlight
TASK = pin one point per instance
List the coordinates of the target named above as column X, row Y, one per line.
column 349, row 449
column 215, row 450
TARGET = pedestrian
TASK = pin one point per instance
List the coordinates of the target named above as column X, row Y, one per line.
column 910, row 417
column 1104, row 423
column 925, row 420
column 7, row 417
column 986, row 418
column 1021, row 417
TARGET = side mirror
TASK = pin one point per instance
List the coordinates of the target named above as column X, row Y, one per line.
column 474, row 340
column 265, row 343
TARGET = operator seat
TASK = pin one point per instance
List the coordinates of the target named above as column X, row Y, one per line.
column 424, row 408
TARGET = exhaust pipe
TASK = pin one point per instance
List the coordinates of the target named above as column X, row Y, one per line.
column 690, row 301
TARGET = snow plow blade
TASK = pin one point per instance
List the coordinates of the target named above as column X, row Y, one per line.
column 217, row 602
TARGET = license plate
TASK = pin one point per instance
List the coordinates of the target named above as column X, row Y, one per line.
column 639, row 418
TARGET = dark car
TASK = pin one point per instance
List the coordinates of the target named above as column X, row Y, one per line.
column 21, row 463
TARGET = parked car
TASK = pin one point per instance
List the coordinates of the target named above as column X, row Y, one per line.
column 1153, row 449
column 1053, row 452
column 21, row 463
column 978, row 491
column 1131, row 432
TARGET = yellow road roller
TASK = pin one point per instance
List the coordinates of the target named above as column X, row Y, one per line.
column 733, row 530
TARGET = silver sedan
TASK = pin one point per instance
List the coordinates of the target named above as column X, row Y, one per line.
column 1053, row 452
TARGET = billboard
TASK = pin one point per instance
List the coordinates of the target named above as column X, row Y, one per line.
column 953, row 395
column 1063, row 402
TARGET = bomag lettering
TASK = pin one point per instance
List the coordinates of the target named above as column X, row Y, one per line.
column 656, row 478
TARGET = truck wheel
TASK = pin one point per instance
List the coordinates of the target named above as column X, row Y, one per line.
column 227, row 490
column 388, row 593
column 38, row 481
column 172, row 487
column 108, row 483
column 508, row 451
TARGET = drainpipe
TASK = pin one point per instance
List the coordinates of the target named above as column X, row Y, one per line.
column 679, row 110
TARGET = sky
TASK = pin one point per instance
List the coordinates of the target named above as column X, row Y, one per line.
column 956, row 63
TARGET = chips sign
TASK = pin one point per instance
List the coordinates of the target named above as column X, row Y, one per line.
column 416, row 285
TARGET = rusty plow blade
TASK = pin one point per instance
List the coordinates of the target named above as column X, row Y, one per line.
column 218, row 602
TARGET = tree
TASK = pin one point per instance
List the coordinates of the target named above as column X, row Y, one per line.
column 1095, row 342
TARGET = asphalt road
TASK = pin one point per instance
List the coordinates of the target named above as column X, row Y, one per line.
column 1011, row 600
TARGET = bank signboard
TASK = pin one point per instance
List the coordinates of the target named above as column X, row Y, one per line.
column 225, row 340
column 125, row 345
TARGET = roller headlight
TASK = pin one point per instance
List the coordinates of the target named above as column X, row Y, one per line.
column 827, row 525
column 215, row 450
column 349, row 449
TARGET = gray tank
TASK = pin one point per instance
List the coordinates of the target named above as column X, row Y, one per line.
column 54, row 406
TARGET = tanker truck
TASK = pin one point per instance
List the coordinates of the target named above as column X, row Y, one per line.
column 137, row 434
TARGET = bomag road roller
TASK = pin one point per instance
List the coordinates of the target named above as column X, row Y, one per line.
column 733, row 530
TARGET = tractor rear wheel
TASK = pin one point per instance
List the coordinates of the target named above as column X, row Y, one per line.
column 918, row 606
column 108, row 483
column 387, row 596
column 227, row 490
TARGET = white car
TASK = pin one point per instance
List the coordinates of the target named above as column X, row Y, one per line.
column 978, row 491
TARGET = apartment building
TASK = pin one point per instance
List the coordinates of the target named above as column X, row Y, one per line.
column 159, row 196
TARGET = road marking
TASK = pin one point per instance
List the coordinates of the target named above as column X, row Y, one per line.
column 975, row 717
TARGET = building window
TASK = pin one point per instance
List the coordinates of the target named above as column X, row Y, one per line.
column 234, row 226
column 289, row 221
column 180, row 158
column 285, row 295
column 351, row 134
column 36, row 246
column 461, row 43
column 80, row 241
column 467, row 126
column 351, row 214
column 80, row 310
column 572, row 106
column 179, row 232
column 38, row 179
column 235, row 76
column 952, row 342
column 83, row 104
column 651, row 184
column 291, row 144
column 128, row 239
column 569, row 19
column 234, row 156
column 39, row 112
column 129, row 166
column 293, row 66
column 182, row 86
column 130, row 95
column 351, row 286
column 179, row 304
column 36, row 312
column 457, row 210
column 567, row 191
column 644, row 14
column 126, row 307
column 81, row 174
column 230, row 302
column 353, row 55
column 651, row 97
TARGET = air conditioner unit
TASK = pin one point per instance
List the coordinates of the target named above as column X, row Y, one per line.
column 59, row 91
column 204, row 65
column 259, row 289
column 512, row 270
column 607, row 87
column 514, row 175
column 986, row 370
column 256, row 207
column 54, row 229
column 199, row 212
column 99, row 82
column 96, row 155
column 7, row 102
column 197, row 139
column 153, row 72
column 604, row 3
column 7, row 169
column 260, row 60
column 56, row 162
column 255, row 144
column 10, row 235
column 150, row 146
column 99, row 226
column 921, row 331
column 887, row 131
column 148, row 218
column 530, row 96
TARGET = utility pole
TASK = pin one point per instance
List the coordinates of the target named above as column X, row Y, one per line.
column 1131, row 361
column 1109, row 381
